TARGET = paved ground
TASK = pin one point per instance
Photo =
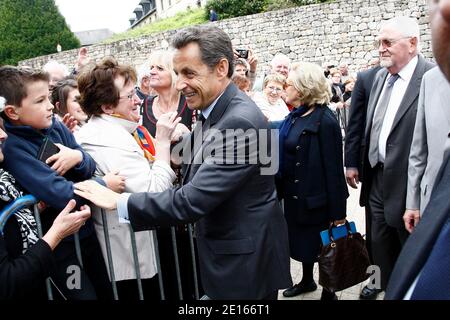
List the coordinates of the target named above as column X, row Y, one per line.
column 354, row 213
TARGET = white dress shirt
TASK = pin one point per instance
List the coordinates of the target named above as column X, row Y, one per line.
column 398, row 92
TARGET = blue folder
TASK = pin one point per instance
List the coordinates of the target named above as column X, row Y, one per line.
column 337, row 232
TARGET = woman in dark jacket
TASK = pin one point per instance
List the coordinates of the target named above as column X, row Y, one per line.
column 311, row 177
column 25, row 260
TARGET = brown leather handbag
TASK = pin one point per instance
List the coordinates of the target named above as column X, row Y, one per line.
column 343, row 262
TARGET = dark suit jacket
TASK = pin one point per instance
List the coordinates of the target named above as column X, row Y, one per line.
column 395, row 174
column 358, row 109
column 241, row 232
column 420, row 243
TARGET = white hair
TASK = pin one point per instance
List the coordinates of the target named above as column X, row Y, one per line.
column 406, row 26
column 280, row 57
column 53, row 64
column 143, row 71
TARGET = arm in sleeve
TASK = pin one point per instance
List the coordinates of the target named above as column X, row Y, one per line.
column 355, row 127
column 331, row 151
column 418, row 154
column 86, row 168
column 19, row 276
column 212, row 184
column 38, row 179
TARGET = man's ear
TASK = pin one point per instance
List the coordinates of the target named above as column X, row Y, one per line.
column 222, row 68
column 57, row 105
column 12, row 112
column 107, row 109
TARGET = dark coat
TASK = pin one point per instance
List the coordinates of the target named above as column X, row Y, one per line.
column 398, row 144
column 357, row 119
column 241, row 232
column 317, row 193
column 22, row 276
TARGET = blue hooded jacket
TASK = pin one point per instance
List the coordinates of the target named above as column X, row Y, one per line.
column 35, row 176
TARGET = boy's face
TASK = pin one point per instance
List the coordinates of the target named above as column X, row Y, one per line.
column 36, row 109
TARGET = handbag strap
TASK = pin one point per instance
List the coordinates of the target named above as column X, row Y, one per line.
column 330, row 230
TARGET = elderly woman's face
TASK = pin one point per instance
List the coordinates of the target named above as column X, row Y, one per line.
column 292, row 95
column 129, row 102
column 160, row 77
column 273, row 91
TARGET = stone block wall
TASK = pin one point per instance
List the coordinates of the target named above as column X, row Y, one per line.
column 326, row 33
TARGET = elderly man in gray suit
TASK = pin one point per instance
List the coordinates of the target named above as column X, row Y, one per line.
column 430, row 141
column 241, row 231
column 389, row 129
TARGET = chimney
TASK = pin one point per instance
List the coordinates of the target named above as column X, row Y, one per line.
column 145, row 5
column 139, row 12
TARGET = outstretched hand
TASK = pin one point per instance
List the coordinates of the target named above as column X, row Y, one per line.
column 97, row 194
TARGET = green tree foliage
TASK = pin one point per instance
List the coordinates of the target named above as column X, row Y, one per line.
column 235, row 8
column 30, row 28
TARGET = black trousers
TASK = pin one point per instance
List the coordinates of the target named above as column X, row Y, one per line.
column 386, row 241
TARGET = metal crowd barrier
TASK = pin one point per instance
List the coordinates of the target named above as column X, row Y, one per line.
column 29, row 200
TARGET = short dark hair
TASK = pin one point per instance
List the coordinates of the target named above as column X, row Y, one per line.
column 96, row 85
column 213, row 42
column 60, row 93
column 14, row 82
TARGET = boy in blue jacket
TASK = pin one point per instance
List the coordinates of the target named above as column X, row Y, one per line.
column 29, row 120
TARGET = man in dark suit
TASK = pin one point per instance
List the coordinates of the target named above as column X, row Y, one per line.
column 389, row 129
column 241, row 232
column 422, row 270
column 353, row 145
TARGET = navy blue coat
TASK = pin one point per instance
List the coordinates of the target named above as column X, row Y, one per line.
column 317, row 191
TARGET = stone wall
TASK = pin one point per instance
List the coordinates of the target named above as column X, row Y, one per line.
column 343, row 30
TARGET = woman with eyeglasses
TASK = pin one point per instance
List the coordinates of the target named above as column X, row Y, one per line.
column 311, row 177
column 114, row 139
column 269, row 100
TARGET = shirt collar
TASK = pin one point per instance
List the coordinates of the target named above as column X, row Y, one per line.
column 207, row 111
column 408, row 70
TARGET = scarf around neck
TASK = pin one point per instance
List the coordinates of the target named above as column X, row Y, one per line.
column 25, row 218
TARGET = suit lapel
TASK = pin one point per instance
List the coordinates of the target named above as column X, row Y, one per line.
column 412, row 92
column 214, row 117
column 380, row 79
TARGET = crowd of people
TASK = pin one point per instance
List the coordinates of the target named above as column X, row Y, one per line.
column 115, row 171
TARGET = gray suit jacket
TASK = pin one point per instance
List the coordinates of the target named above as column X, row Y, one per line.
column 420, row 243
column 395, row 174
column 241, row 231
column 430, row 138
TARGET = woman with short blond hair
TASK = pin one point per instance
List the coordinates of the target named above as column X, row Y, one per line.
column 311, row 177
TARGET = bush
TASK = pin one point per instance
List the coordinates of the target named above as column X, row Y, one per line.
column 235, row 8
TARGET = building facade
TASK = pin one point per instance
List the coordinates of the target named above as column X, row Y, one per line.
column 149, row 11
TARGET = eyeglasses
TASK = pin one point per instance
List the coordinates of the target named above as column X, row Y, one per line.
column 387, row 43
column 130, row 96
column 277, row 90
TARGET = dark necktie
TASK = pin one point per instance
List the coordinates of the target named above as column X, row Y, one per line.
column 378, row 120
column 434, row 280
